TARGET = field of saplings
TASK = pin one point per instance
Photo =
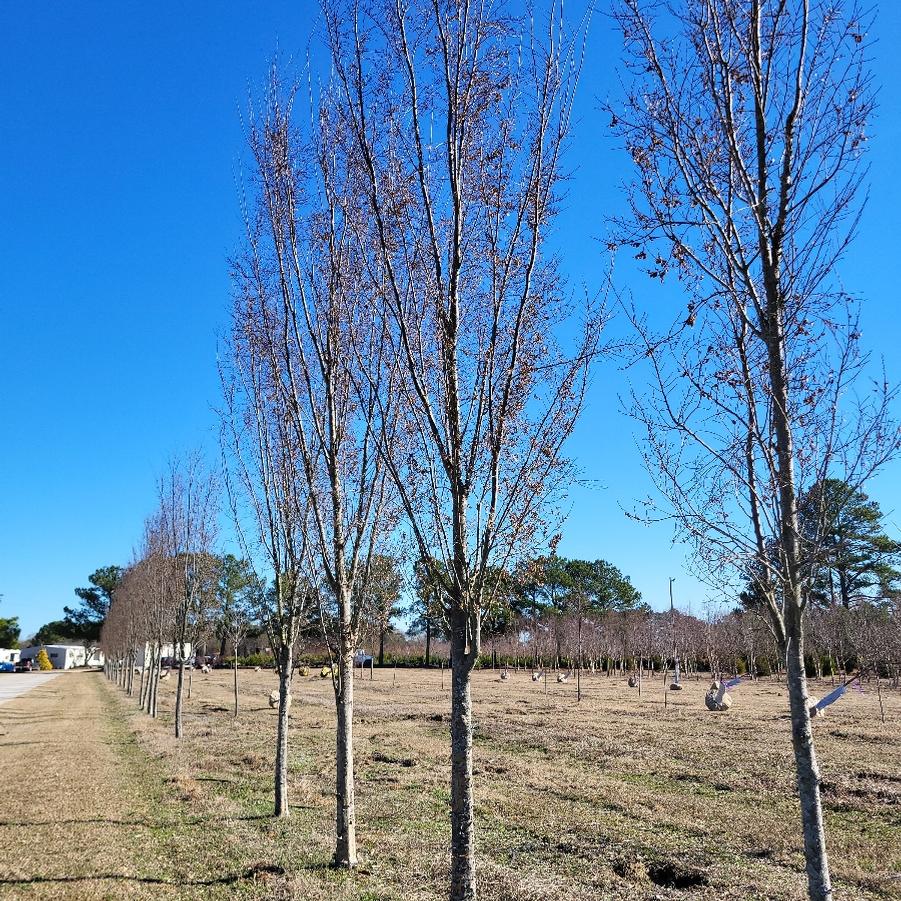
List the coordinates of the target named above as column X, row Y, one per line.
column 618, row 796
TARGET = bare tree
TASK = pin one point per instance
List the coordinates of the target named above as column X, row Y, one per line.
column 152, row 574
column 323, row 340
column 240, row 595
column 455, row 115
column 746, row 124
column 386, row 581
column 268, row 503
column 187, row 522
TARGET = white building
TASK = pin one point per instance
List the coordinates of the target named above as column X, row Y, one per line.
column 64, row 656
column 169, row 652
column 9, row 655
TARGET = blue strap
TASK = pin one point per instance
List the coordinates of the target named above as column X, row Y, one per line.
column 832, row 697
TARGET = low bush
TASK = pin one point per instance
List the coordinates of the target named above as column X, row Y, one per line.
column 257, row 660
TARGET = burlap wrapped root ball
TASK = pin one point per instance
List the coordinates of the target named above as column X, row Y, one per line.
column 717, row 698
column 632, row 681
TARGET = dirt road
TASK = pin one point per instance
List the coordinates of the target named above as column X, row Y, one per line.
column 86, row 814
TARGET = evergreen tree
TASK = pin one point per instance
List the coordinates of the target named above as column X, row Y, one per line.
column 84, row 621
column 9, row 632
column 857, row 561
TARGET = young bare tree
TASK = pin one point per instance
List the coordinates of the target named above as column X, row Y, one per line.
column 187, row 523
column 265, row 488
column 746, row 121
column 455, row 117
column 322, row 336
column 239, row 594
column 383, row 603
column 152, row 574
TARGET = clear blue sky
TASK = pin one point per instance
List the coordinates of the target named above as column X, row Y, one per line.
column 119, row 151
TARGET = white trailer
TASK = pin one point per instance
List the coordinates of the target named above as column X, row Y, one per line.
column 65, row 656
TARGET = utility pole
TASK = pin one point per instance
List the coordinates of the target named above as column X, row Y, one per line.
column 672, row 612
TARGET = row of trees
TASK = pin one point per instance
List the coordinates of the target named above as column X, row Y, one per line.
column 839, row 641
column 394, row 373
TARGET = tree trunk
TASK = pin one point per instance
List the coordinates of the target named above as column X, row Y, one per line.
column 281, row 744
column 579, row 670
column 236, row 679
column 179, row 690
column 843, row 586
column 808, row 776
column 463, row 858
column 154, row 679
column 345, row 812
column 428, row 643
column 382, row 647
column 149, row 688
column 142, row 685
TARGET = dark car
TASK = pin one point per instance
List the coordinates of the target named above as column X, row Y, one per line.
column 7, row 667
column 24, row 666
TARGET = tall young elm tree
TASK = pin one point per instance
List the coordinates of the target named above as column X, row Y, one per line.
column 746, row 121
column 453, row 118
column 322, row 334
column 266, row 489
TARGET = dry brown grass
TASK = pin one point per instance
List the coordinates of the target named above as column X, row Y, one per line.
column 615, row 797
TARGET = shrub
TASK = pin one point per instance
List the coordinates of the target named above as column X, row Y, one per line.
column 43, row 661
column 257, row 660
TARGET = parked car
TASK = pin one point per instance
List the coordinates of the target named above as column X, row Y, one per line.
column 7, row 667
column 24, row 666
column 361, row 658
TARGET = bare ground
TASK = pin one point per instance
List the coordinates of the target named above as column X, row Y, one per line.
column 617, row 797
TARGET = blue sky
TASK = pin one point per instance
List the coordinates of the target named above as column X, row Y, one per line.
column 119, row 154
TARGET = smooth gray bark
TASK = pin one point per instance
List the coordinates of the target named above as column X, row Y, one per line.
column 463, row 858
column 281, row 743
column 179, row 699
column 808, row 774
column 345, row 810
column 236, row 680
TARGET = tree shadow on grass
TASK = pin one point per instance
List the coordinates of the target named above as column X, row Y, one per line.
column 107, row 821
column 229, row 879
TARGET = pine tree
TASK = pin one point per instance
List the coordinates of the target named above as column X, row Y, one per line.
column 857, row 561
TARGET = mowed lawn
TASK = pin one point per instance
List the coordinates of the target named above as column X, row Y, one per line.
column 616, row 797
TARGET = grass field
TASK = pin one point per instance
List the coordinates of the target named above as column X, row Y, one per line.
column 615, row 797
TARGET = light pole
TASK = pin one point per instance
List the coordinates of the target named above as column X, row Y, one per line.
column 672, row 612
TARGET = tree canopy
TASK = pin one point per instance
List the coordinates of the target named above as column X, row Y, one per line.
column 57, row 631
column 9, row 632
column 85, row 620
